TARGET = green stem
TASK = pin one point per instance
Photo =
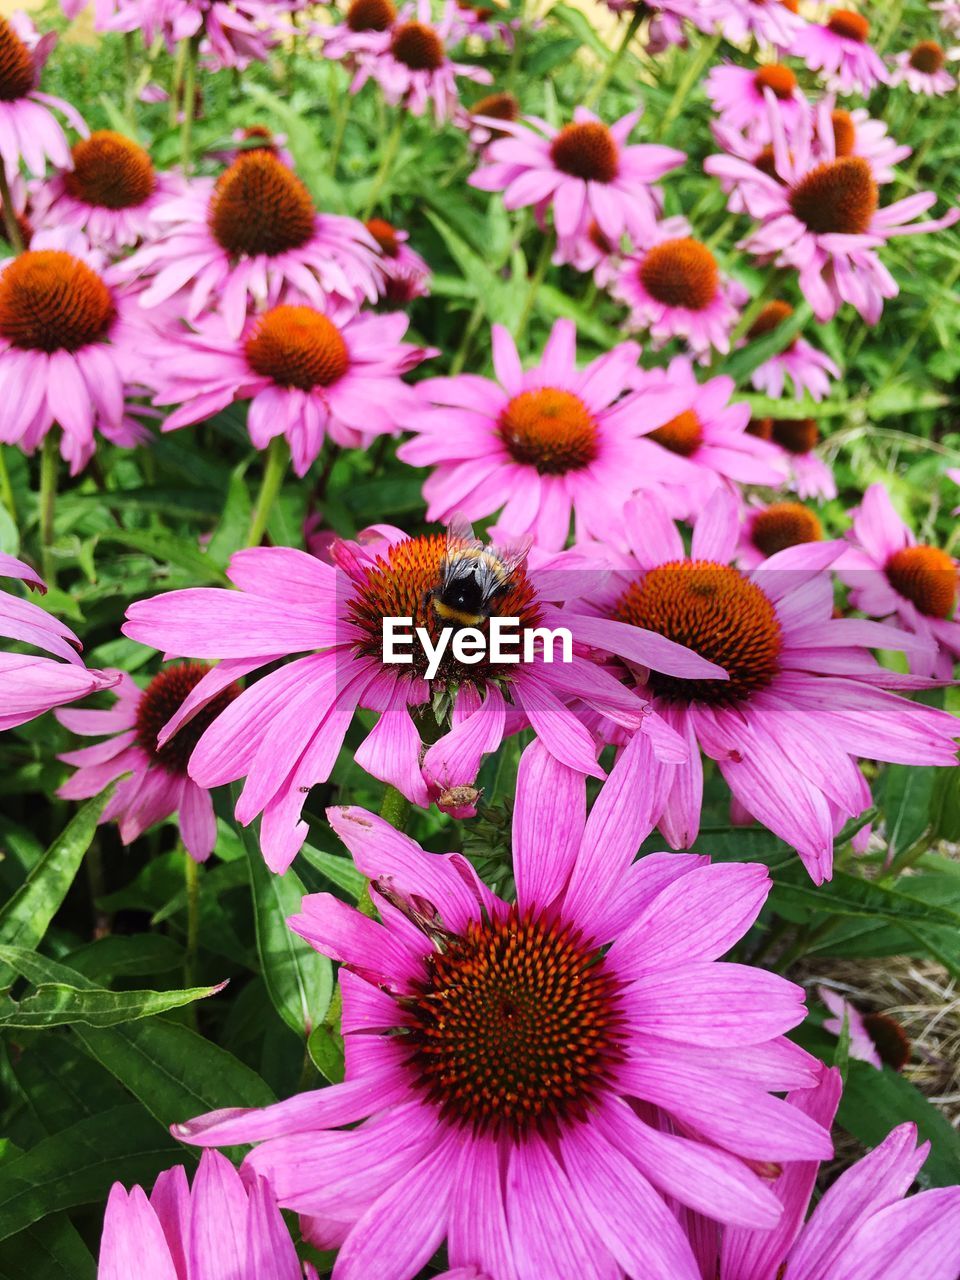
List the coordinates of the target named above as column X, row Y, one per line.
column 6, row 488
column 191, row 878
column 129, row 74
column 386, row 163
column 694, row 70
column 343, row 111
column 615, row 59
column 275, row 468
column 10, row 223
column 469, row 329
column 49, row 463
column 189, row 104
column 536, row 280
column 516, row 53
column 771, row 286
column 394, row 808
column 176, row 84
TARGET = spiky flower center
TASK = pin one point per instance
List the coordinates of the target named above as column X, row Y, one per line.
column 682, row 434
column 16, row 65
column 850, row 25
column 927, row 577
column 517, row 1027
column 385, row 235
column 796, row 435
column 770, row 318
column 715, row 611
column 549, row 429
column 417, row 46
column 371, row 15
column 792, row 5
column 260, row 207
column 762, row 428
column 110, row 172
column 52, row 301
column 838, row 197
column 778, row 78
column 766, row 162
column 928, row 57
column 889, row 1039
column 497, row 106
column 681, row 273
column 587, row 151
column 844, row 133
column 161, row 700
column 401, row 584
column 297, row 347
column 785, row 524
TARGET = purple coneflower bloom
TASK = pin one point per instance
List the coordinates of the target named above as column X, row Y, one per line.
column 224, row 1225
column 30, row 685
column 241, row 242
column 738, row 95
column 841, row 49
column 807, row 368
column 29, row 131
column 771, row 22
column 585, row 172
column 284, row 732
column 308, row 376
column 805, row 698
column 535, row 1081
column 158, row 784
column 891, row 575
column 923, row 69
column 768, row 529
column 406, row 273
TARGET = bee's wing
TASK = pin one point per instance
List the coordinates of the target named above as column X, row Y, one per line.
column 512, row 554
column 460, row 536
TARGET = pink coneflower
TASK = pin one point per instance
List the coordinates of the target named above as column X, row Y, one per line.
column 238, row 243
column 674, row 288
column 807, row 368
column 856, row 133
column 65, row 351
column 766, row 530
column 158, row 785
column 255, row 137
column 29, row 686
column 590, row 251
column 891, row 575
column 923, row 69
column 543, row 444
column 29, row 131
column 110, row 193
column 494, row 107
column 797, row 440
column 771, row 22
column 233, row 35
column 308, row 376
column 538, row 1082
column 805, row 697
column 738, row 96
column 284, row 733
column 585, row 172
column 819, row 213
column 413, row 67
column 407, row 274
column 224, row 1225
column 365, row 29
column 844, row 1013
column 862, row 1226
column 841, row 49
column 706, row 441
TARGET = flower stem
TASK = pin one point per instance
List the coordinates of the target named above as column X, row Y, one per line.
column 189, row 103
column 394, row 808
column 49, row 463
column 129, row 74
column 615, row 59
column 694, row 70
column 11, row 226
column 536, row 280
column 275, row 468
column 6, row 488
column 390, row 150
column 469, row 329
column 191, row 879
column 176, row 83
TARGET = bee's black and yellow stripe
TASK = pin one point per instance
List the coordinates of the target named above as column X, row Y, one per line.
column 449, row 614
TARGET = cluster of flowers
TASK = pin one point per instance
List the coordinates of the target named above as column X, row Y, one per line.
column 572, row 1083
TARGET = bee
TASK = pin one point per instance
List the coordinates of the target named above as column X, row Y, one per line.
column 473, row 577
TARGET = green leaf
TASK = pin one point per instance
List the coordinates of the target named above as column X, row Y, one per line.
column 875, row 1101
column 126, row 956
column 905, row 800
column 165, row 548
column 325, row 1047
column 847, row 895
column 740, row 364
column 299, row 979
column 55, row 1251
column 24, row 918
column 338, row 869
column 79, row 1165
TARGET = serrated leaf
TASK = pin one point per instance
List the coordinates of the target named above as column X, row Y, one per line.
column 24, row 918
